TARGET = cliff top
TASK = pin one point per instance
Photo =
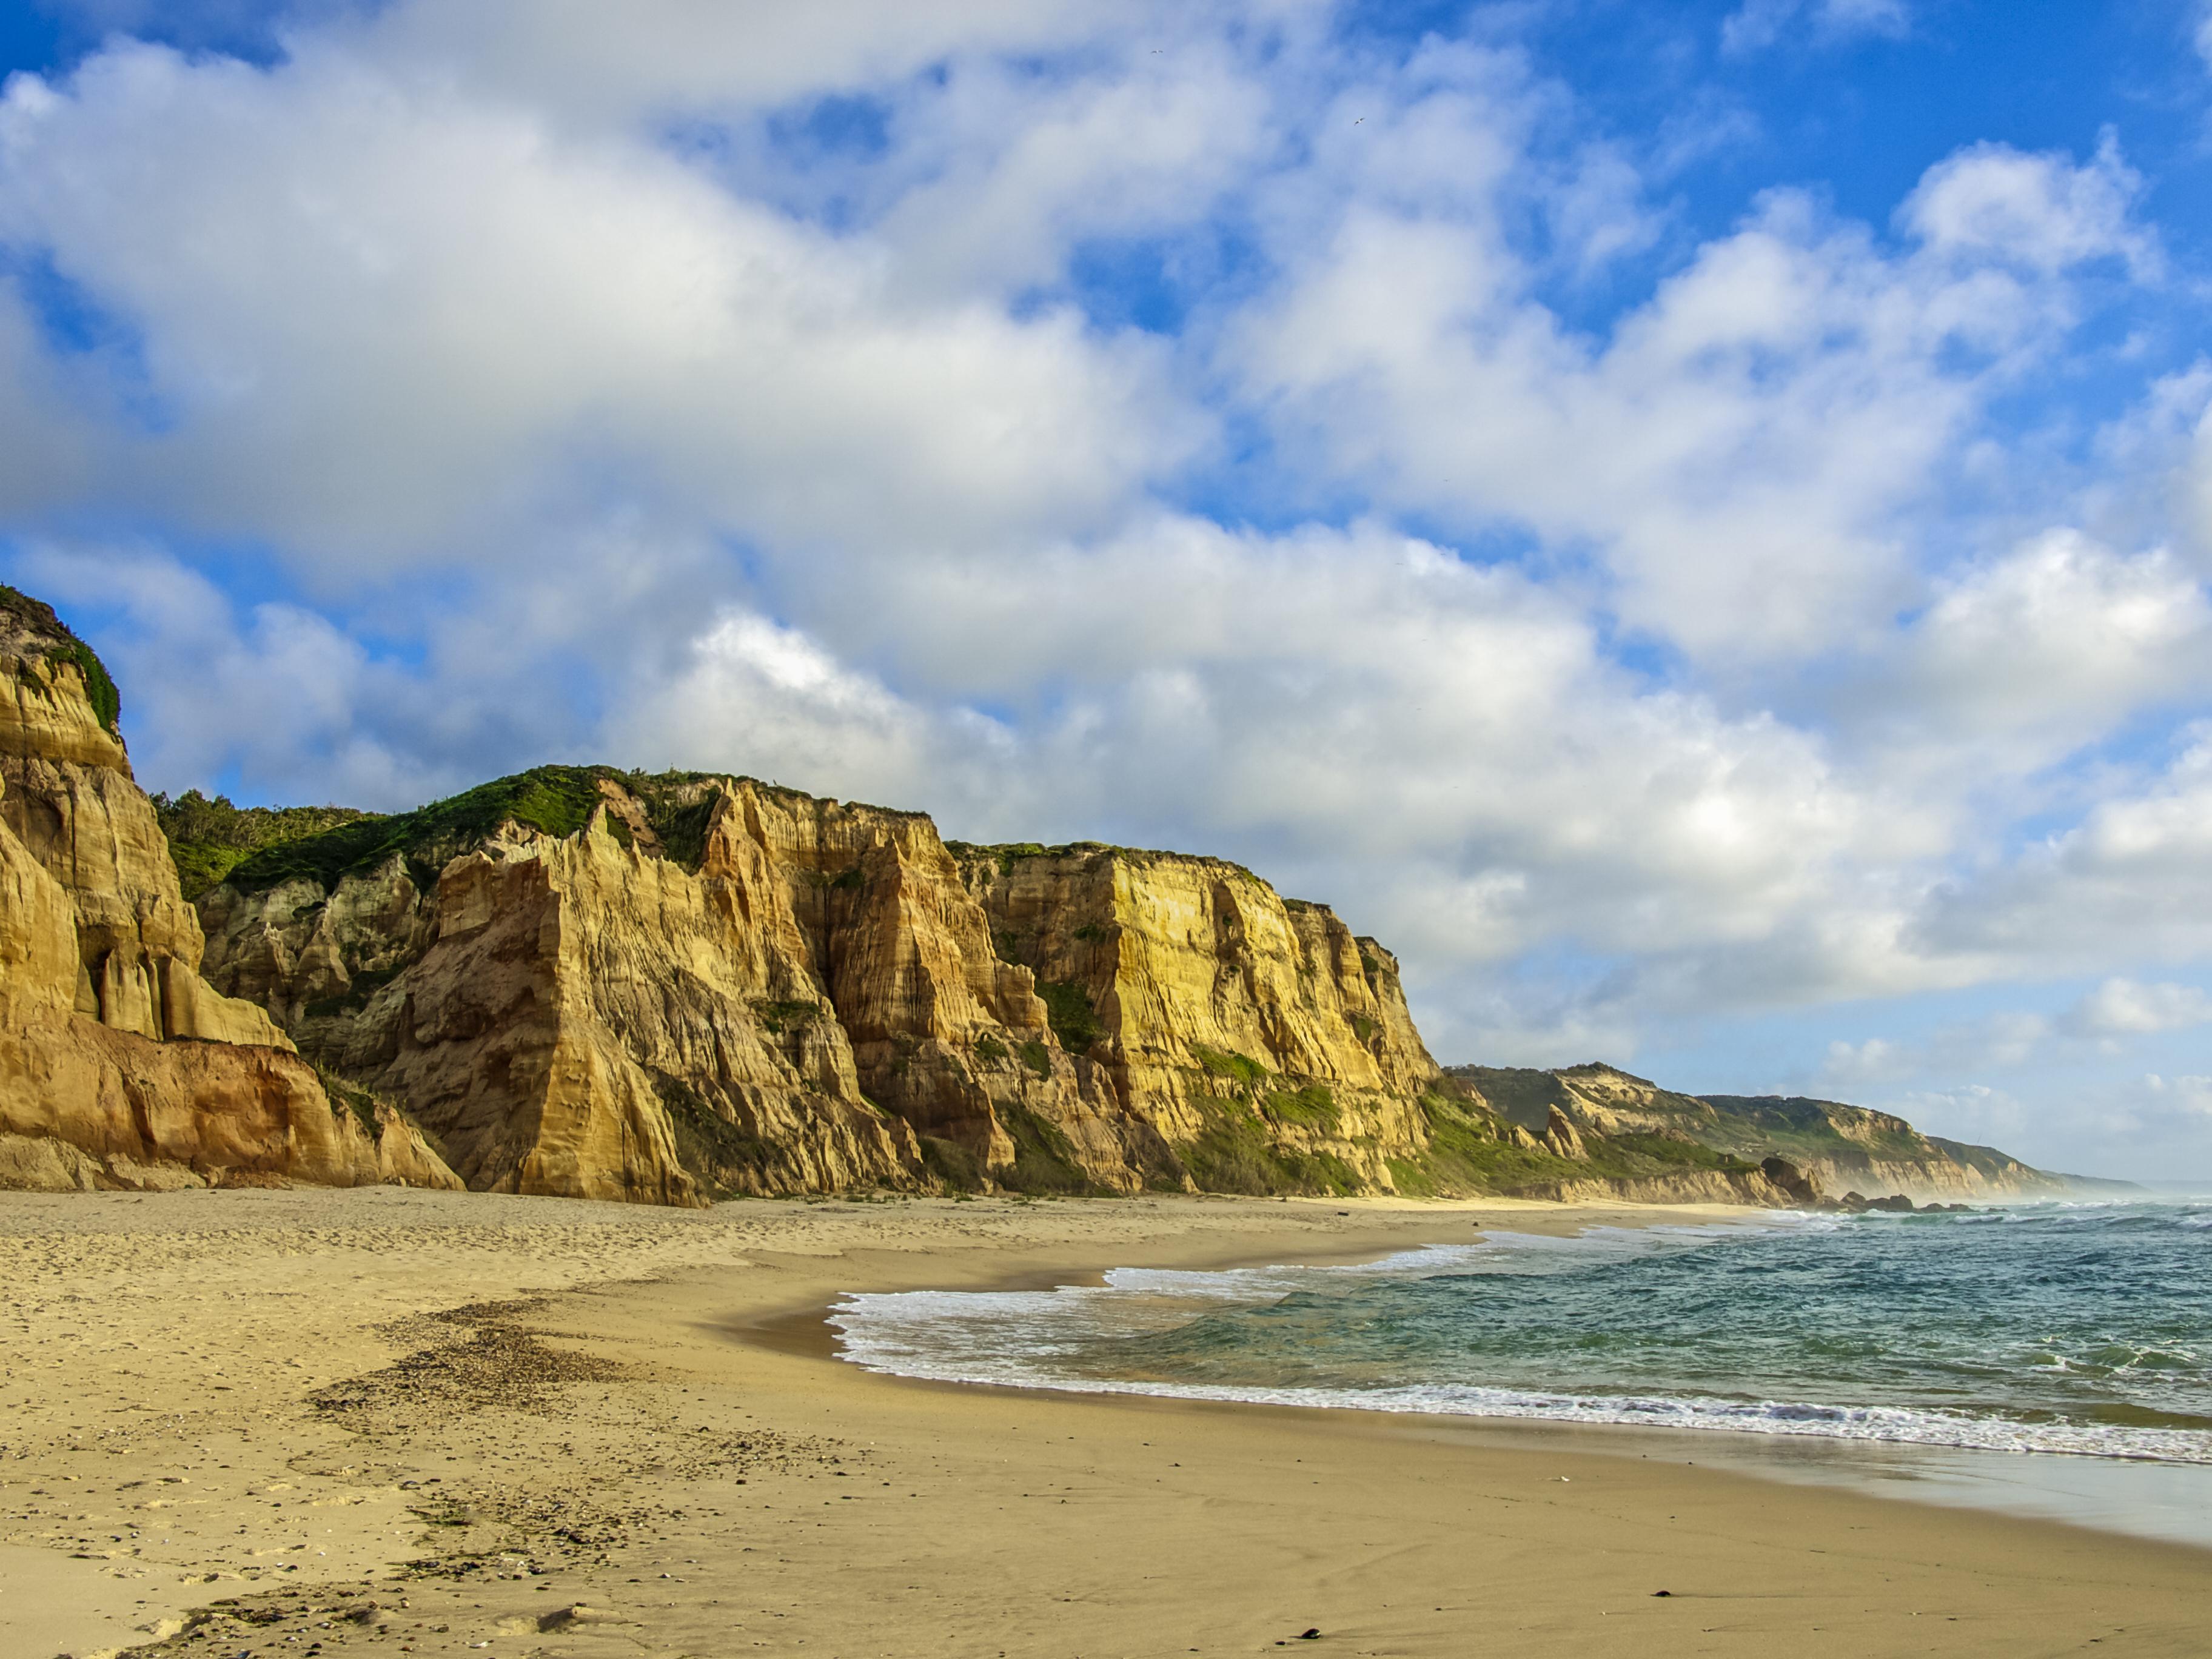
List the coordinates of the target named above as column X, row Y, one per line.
column 31, row 632
column 1005, row 853
column 557, row 801
column 210, row 838
column 328, row 844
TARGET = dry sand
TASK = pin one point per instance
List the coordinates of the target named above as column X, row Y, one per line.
column 380, row 1421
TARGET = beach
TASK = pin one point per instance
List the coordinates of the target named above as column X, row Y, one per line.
column 381, row 1420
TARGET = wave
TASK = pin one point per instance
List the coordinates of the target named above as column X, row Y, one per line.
column 891, row 1351
column 2061, row 1330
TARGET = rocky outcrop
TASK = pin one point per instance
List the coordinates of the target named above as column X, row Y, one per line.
column 1243, row 1029
column 1835, row 1146
column 120, row 1065
column 668, row 989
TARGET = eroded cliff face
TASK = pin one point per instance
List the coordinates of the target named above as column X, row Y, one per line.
column 120, row 1065
column 714, row 986
column 1256, row 1036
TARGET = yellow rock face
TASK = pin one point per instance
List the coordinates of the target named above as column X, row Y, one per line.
column 119, row 1066
column 137, row 1112
column 1224, row 1013
column 816, row 995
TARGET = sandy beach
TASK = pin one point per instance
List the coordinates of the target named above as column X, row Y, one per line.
column 387, row 1421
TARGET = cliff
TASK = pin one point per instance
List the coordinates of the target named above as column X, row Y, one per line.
column 120, row 1065
column 669, row 989
column 1843, row 1148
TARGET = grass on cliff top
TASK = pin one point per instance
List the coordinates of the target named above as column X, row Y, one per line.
column 557, row 801
column 1006, row 854
column 61, row 644
column 209, row 838
column 1797, row 1127
column 1467, row 1156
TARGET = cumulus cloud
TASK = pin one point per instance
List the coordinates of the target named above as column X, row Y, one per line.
column 1990, row 201
column 2133, row 877
column 1740, row 450
column 378, row 316
column 2019, row 660
column 1875, row 1060
column 667, row 56
column 2186, row 1097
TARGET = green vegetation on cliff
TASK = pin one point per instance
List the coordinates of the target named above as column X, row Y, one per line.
column 556, row 799
column 209, row 838
column 1472, row 1152
column 1074, row 1021
column 36, row 618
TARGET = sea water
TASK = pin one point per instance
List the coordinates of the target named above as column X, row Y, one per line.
column 2080, row 1334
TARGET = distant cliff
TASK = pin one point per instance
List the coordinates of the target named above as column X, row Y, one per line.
column 1843, row 1148
column 673, row 988
column 120, row 1065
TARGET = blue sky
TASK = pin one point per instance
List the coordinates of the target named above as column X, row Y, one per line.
column 1691, row 522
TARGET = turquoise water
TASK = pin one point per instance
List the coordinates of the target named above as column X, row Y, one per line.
column 2083, row 1331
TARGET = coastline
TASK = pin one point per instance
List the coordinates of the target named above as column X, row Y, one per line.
column 659, row 1443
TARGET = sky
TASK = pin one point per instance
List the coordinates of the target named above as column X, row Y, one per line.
column 1689, row 523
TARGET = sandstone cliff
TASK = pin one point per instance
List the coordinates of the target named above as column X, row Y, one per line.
column 668, row 989
column 120, row 1065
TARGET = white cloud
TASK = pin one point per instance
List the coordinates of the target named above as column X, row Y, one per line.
column 2018, row 661
column 1875, row 1059
column 2186, row 1097
column 1990, row 201
column 2134, row 879
column 1758, row 24
column 525, row 317
column 1741, row 451
column 2125, row 1008
column 667, row 56
column 1358, row 697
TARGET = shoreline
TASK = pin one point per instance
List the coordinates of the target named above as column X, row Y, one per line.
column 577, row 1430
column 2151, row 1500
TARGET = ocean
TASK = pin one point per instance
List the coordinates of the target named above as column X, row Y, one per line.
column 2049, row 1358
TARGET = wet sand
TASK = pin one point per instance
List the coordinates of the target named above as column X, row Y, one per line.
column 385, row 1421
